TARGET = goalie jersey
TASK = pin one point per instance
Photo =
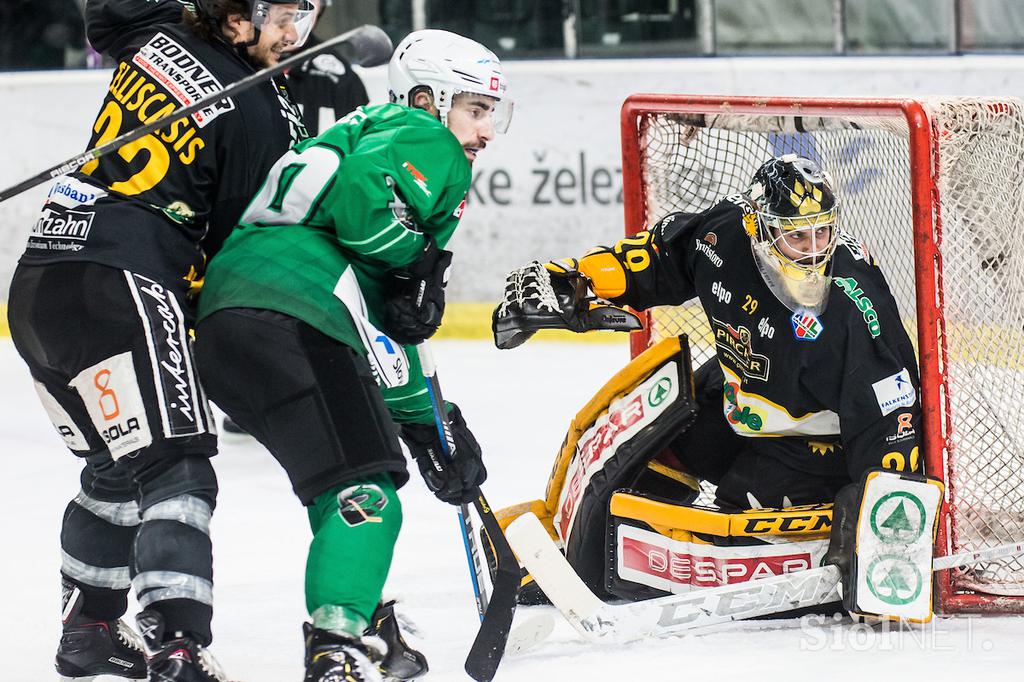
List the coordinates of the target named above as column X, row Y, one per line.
column 842, row 383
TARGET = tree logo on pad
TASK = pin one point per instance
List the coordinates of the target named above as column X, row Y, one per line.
column 661, row 390
column 361, row 504
column 898, row 518
column 894, row 579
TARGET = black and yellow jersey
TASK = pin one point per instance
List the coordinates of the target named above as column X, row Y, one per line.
column 160, row 206
column 846, row 376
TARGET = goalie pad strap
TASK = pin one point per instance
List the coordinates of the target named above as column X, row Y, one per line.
column 809, row 520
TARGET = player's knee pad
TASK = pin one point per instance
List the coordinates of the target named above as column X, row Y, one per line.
column 103, row 480
column 172, row 476
column 368, row 503
column 96, row 542
column 173, row 555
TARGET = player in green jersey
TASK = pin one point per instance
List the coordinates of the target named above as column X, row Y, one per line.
column 338, row 265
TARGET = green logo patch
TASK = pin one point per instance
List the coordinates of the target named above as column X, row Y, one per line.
column 361, row 504
column 898, row 518
column 894, row 579
column 656, row 396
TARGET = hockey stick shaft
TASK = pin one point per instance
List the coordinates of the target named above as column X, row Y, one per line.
column 448, row 445
column 367, row 45
column 598, row 621
column 489, row 645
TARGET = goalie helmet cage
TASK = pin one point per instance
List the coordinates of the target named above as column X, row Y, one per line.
column 934, row 188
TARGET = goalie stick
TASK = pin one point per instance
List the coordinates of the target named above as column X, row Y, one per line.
column 364, row 46
column 619, row 623
column 495, row 614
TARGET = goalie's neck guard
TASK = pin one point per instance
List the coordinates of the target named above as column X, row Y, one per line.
column 799, row 289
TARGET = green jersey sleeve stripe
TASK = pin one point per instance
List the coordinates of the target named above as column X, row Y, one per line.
column 409, row 396
column 374, row 237
column 405, row 233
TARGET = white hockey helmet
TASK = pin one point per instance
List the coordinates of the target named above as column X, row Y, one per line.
column 448, row 64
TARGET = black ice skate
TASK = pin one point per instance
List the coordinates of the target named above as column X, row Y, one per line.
column 89, row 648
column 402, row 662
column 176, row 660
column 331, row 657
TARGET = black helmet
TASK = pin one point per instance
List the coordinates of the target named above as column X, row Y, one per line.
column 792, row 186
column 796, row 230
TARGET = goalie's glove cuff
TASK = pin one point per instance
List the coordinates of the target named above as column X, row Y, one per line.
column 553, row 296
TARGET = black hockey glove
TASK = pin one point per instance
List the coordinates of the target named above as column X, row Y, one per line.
column 414, row 295
column 553, row 296
column 456, row 480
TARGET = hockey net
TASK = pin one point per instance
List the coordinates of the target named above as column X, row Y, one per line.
column 935, row 189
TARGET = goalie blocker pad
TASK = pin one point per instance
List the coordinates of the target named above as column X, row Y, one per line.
column 882, row 538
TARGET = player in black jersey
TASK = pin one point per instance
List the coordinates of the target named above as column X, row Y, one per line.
column 100, row 312
column 815, row 379
column 325, row 88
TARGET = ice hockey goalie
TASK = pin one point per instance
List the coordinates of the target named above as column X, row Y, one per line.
column 812, row 386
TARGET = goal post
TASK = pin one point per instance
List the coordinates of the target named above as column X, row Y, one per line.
column 935, row 189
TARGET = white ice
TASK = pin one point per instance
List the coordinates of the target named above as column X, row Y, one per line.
column 518, row 404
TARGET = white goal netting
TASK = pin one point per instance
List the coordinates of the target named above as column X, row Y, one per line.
column 688, row 161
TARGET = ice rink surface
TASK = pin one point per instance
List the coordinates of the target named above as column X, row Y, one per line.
column 518, row 403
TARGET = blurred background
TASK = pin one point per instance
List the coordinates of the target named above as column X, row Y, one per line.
column 552, row 186
column 49, row 34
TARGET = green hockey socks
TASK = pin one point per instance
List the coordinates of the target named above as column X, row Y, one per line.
column 355, row 526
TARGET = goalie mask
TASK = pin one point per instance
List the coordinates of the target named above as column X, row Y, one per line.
column 448, row 64
column 796, row 230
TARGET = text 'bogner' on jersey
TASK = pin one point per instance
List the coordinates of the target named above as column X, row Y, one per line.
column 847, row 374
column 162, row 204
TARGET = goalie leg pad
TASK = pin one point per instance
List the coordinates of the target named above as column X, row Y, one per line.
column 882, row 534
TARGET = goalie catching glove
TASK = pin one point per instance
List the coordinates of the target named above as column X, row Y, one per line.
column 415, row 295
column 553, row 296
column 455, row 480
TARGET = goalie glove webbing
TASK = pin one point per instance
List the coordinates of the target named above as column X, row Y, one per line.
column 540, row 297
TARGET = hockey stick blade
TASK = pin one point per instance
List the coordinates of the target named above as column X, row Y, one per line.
column 601, row 622
column 366, row 45
column 529, row 634
column 489, row 646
